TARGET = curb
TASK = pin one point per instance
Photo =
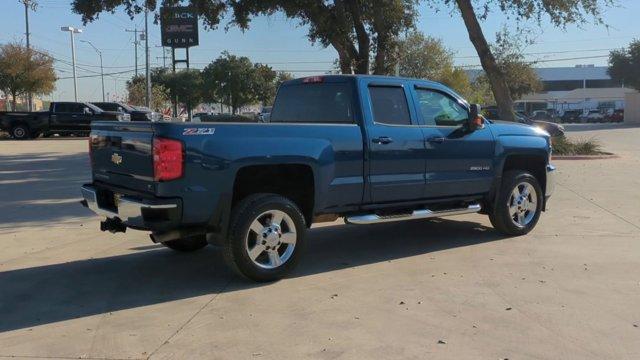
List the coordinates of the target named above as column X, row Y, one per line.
column 584, row 157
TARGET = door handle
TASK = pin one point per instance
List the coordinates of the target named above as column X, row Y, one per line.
column 382, row 140
column 436, row 139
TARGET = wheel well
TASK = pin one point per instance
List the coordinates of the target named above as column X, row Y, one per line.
column 536, row 165
column 293, row 181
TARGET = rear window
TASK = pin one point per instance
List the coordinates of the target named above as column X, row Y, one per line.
column 314, row 103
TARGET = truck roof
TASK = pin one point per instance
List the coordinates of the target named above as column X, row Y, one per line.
column 339, row 77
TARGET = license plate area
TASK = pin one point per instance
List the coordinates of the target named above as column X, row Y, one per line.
column 107, row 200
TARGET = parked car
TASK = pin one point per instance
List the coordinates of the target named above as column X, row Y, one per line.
column 617, row 116
column 371, row 149
column 265, row 114
column 553, row 129
column 137, row 113
column 571, row 116
column 594, row 116
column 63, row 118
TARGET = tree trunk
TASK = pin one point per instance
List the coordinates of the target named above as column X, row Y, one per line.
column 488, row 61
column 362, row 61
column 14, row 101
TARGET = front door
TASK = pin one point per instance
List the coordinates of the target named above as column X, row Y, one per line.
column 458, row 162
column 396, row 145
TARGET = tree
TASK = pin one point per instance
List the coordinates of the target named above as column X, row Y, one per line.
column 624, row 65
column 425, row 57
column 519, row 74
column 359, row 30
column 136, row 89
column 282, row 77
column 230, row 80
column 264, row 83
column 559, row 12
column 24, row 71
column 184, row 86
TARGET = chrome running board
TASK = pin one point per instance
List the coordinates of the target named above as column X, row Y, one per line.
column 416, row 214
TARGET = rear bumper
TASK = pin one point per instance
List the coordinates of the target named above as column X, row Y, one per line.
column 134, row 212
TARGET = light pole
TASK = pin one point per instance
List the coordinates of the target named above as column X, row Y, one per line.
column 146, row 50
column 101, row 68
column 28, row 4
column 72, row 31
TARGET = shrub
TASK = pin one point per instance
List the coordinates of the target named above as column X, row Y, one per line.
column 564, row 146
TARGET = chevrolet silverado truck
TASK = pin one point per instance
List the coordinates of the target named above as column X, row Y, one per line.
column 62, row 118
column 370, row 149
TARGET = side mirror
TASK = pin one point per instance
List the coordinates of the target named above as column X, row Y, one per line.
column 475, row 118
column 88, row 111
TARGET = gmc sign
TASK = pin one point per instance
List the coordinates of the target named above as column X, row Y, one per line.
column 179, row 27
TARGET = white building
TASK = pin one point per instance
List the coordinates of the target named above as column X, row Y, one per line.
column 584, row 87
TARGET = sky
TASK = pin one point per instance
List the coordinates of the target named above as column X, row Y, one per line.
column 280, row 42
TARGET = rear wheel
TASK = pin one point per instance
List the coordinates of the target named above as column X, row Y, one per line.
column 266, row 237
column 518, row 204
column 20, row 132
column 187, row 244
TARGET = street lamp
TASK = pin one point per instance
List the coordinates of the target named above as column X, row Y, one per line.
column 101, row 68
column 72, row 31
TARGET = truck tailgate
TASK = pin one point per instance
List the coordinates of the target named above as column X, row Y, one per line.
column 122, row 154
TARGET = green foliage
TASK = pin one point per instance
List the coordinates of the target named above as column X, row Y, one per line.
column 236, row 81
column 564, row 146
column 136, row 89
column 355, row 28
column 25, row 71
column 424, row 57
column 559, row 12
column 624, row 65
column 520, row 75
column 186, row 85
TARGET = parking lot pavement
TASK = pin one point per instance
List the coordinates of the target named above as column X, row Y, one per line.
column 444, row 288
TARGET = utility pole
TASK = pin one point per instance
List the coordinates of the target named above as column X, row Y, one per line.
column 101, row 67
column 72, row 31
column 28, row 4
column 146, row 50
column 135, row 45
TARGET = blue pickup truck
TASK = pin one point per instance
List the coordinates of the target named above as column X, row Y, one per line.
column 370, row 149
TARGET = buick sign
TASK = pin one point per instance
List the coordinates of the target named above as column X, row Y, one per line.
column 179, row 27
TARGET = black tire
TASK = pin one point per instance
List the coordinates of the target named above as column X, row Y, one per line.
column 500, row 217
column 20, row 132
column 248, row 210
column 187, row 244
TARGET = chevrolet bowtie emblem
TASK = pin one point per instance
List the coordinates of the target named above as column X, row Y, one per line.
column 116, row 159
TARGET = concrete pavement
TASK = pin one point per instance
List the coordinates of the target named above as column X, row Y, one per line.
column 568, row 290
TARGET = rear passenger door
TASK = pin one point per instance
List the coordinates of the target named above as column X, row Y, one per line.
column 66, row 116
column 395, row 142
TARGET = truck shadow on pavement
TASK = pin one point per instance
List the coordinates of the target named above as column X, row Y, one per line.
column 41, row 188
column 152, row 275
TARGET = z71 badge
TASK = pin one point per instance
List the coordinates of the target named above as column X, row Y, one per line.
column 199, row 131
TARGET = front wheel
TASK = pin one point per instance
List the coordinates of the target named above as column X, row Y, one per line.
column 518, row 204
column 266, row 237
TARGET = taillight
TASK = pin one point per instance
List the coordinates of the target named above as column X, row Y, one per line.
column 92, row 140
column 167, row 159
column 313, row 80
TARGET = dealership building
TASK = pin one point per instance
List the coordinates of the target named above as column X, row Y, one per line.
column 582, row 87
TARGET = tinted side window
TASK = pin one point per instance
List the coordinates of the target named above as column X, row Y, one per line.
column 314, row 103
column 389, row 105
column 439, row 109
column 108, row 107
column 62, row 108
